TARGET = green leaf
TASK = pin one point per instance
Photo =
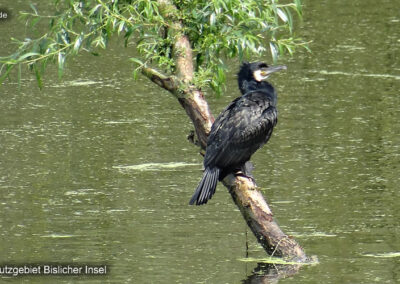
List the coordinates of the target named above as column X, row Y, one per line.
column 290, row 19
column 298, row 7
column 136, row 60
column 135, row 73
column 274, row 51
column 61, row 62
column 128, row 33
column 26, row 55
column 282, row 15
column 78, row 43
column 8, row 69
column 33, row 8
column 94, row 10
column 35, row 21
column 213, row 19
column 121, row 27
column 64, row 34
column 38, row 76
column 221, row 75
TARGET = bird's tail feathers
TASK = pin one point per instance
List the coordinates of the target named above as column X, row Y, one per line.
column 206, row 187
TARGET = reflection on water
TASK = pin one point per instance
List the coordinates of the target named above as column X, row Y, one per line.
column 96, row 167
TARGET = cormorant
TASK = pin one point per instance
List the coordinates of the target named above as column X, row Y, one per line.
column 241, row 129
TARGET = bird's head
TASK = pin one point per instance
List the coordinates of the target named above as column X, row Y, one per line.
column 255, row 72
column 251, row 75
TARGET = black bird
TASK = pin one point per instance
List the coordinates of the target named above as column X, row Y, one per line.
column 241, row 129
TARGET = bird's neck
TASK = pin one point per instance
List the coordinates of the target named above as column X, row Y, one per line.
column 248, row 86
column 263, row 87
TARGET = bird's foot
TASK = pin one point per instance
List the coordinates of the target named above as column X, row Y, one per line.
column 240, row 173
column 247, row 169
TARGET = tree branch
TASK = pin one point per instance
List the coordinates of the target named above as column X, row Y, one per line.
column 182, row 50
column 169, row 83
column 191, row 99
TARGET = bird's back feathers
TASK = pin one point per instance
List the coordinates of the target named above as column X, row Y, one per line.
column 242, row 128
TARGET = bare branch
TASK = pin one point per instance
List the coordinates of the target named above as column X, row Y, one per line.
column 169, row 83
column 191, row 99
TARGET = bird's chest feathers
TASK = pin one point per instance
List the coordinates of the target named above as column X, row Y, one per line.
column 254, row 107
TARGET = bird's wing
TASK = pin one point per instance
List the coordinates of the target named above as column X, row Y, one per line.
column 243, row 127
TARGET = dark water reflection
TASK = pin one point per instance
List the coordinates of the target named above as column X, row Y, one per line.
column 86, row 173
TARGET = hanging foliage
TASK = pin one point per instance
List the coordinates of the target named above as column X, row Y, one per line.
column 217, row 29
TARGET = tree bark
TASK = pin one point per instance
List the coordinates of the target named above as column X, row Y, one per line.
column 244, row 191
column 190, row 98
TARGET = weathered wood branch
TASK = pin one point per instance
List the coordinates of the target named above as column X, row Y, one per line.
column 244, row 191
column 191, row 99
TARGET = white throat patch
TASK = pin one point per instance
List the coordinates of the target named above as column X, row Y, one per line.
column 258, row 76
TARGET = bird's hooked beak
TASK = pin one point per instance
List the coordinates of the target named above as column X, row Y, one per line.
column 264, row 73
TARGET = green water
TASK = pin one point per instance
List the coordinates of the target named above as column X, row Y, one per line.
column 96, row 169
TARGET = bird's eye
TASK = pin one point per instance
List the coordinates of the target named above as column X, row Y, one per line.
column 263, row 65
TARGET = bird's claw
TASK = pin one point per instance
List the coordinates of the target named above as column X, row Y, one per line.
column 245, row 175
